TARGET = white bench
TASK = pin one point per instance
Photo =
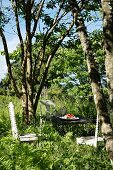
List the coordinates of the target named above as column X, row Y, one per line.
column 23, row 138
column 91, row 140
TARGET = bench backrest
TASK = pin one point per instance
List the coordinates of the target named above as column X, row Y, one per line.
column 96, row 131
column 13, row 121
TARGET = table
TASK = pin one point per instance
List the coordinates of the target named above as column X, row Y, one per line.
column 63, row 125
column 81, row 120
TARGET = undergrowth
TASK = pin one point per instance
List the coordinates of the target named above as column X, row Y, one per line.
column 52, row 151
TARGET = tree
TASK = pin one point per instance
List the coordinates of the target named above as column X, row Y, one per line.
column 107, row 7
column 99, row 97
column 35, row 64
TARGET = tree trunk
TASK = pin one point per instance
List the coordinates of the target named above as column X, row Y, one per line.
column 107, row 7
column 31, row 14
column 29, row 62
column 99, row 98
column 24, row 101
column 29, row 88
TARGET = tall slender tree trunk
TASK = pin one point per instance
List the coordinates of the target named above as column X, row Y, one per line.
column 27, row 90
column 29, row 85
column 99, row 98
column 29, row 62
column 107, row 7
column 24, row 101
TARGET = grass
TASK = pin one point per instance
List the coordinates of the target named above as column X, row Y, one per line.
column 54, row 152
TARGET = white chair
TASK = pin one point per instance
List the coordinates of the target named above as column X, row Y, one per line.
column 23, row 138
column 91, row 140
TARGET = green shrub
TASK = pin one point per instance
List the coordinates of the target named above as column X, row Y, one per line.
column 52, row 151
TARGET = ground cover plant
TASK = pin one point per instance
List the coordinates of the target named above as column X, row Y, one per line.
column 53, row 151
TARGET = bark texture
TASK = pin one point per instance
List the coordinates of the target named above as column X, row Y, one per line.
column 29, row 60
column 99, row 98
column 107, row 8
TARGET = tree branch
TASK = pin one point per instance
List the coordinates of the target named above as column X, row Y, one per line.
column 37, row 17
column 48, row 34
column 18, row 27
column 49, row 61
column 55, row 21
column 23, row 58
column 35, row 70
column 8, row 63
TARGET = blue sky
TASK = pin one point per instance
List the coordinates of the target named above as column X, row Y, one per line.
column 12, row 43
column 12, row 40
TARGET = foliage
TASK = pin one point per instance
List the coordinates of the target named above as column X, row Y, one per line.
column 52, row 155
column 97, row 45
column 31, row 67
column 52, row 151
column 68, row 79
column 3, row 20
column 68, row 67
